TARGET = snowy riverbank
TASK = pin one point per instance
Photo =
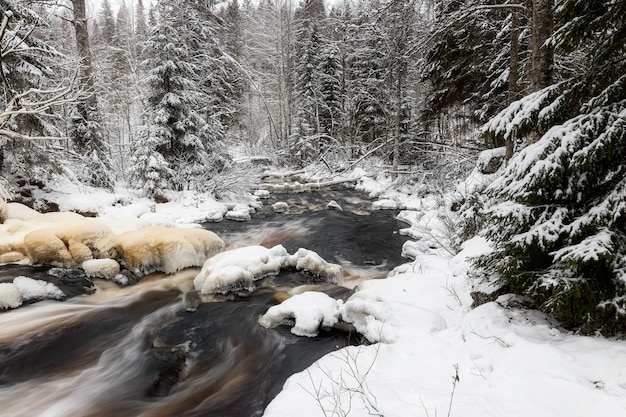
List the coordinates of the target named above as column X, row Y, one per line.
column 437, row 355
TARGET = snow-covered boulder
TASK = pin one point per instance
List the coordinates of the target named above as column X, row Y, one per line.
column 308, row 261
column 69, row 246
column 241, row 212
column 333, row 205
column 280, row 207
column 36, row 289
column 9, row 296
column 22, row 289
column 167, row 250
column 11, row 257
column 237, row 269
column 101, row 268
column 262, row 193
column 311, row 310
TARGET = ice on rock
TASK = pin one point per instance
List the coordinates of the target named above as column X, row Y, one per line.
column 12, row 295
column 167, row 250
column 68, row 246
column 239, row 268
column 9, row 296
column 311, row 310
column 262, row 193
column 241, row 212
column 101, row 268
column 309, row 261
column 280, row 207
column 36, row 289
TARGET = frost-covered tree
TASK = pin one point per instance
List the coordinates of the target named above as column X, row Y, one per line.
column 181, row 121
column 557, row 214
column 35, row 86
column 86, row 130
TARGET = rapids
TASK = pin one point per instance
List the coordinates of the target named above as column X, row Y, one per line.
column 156, row 349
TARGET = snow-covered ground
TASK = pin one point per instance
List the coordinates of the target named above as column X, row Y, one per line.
column 432, row 354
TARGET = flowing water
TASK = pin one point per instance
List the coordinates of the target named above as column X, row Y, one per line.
column 151, row 350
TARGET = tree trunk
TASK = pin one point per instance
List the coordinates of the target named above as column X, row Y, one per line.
column 396, row 138
column 514, row 88
column 542, row 54
column 89, row 107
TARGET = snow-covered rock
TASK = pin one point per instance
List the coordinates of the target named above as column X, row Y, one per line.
column 311, row 310
column 310, row 262
column 237, row 269
column 22, row 289
column 333, row 205
column 280, row 207
column 9, row 296
column 101, row 268
column 240, row 212
column 36, row 289
column 167, row 250
column 68, row 246
column 262, row 193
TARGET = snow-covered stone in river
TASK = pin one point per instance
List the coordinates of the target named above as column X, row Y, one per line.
column 11, row 257
column 309, row 261
column 35, row 289
column 239, row 268
column 101, row 268
column 384, row 204
column 241, row 212
column 311, row 310
column 333, row 205
column 167, row 250
column 9, row 296
column 262, row 193
column 280, row 207
column 68, row 246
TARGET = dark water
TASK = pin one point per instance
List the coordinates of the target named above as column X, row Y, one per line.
column 139, row 351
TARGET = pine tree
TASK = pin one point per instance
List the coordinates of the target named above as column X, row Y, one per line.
column 557, row 215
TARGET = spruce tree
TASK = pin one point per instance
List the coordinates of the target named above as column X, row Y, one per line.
column 557, row 214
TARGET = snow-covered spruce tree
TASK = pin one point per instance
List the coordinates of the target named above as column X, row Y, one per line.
column 557, row 215
column 149, row 171
column 468, row 61
column 179, row 114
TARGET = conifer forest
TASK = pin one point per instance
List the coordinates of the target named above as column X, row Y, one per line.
column 165, row 95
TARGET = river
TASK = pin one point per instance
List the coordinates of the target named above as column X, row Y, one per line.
column 153, row 350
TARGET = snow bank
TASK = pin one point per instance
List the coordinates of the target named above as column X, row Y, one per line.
column 22, row 289
column 237, row 269
column 168, row 250
column 311, row 310
column 68, row 246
